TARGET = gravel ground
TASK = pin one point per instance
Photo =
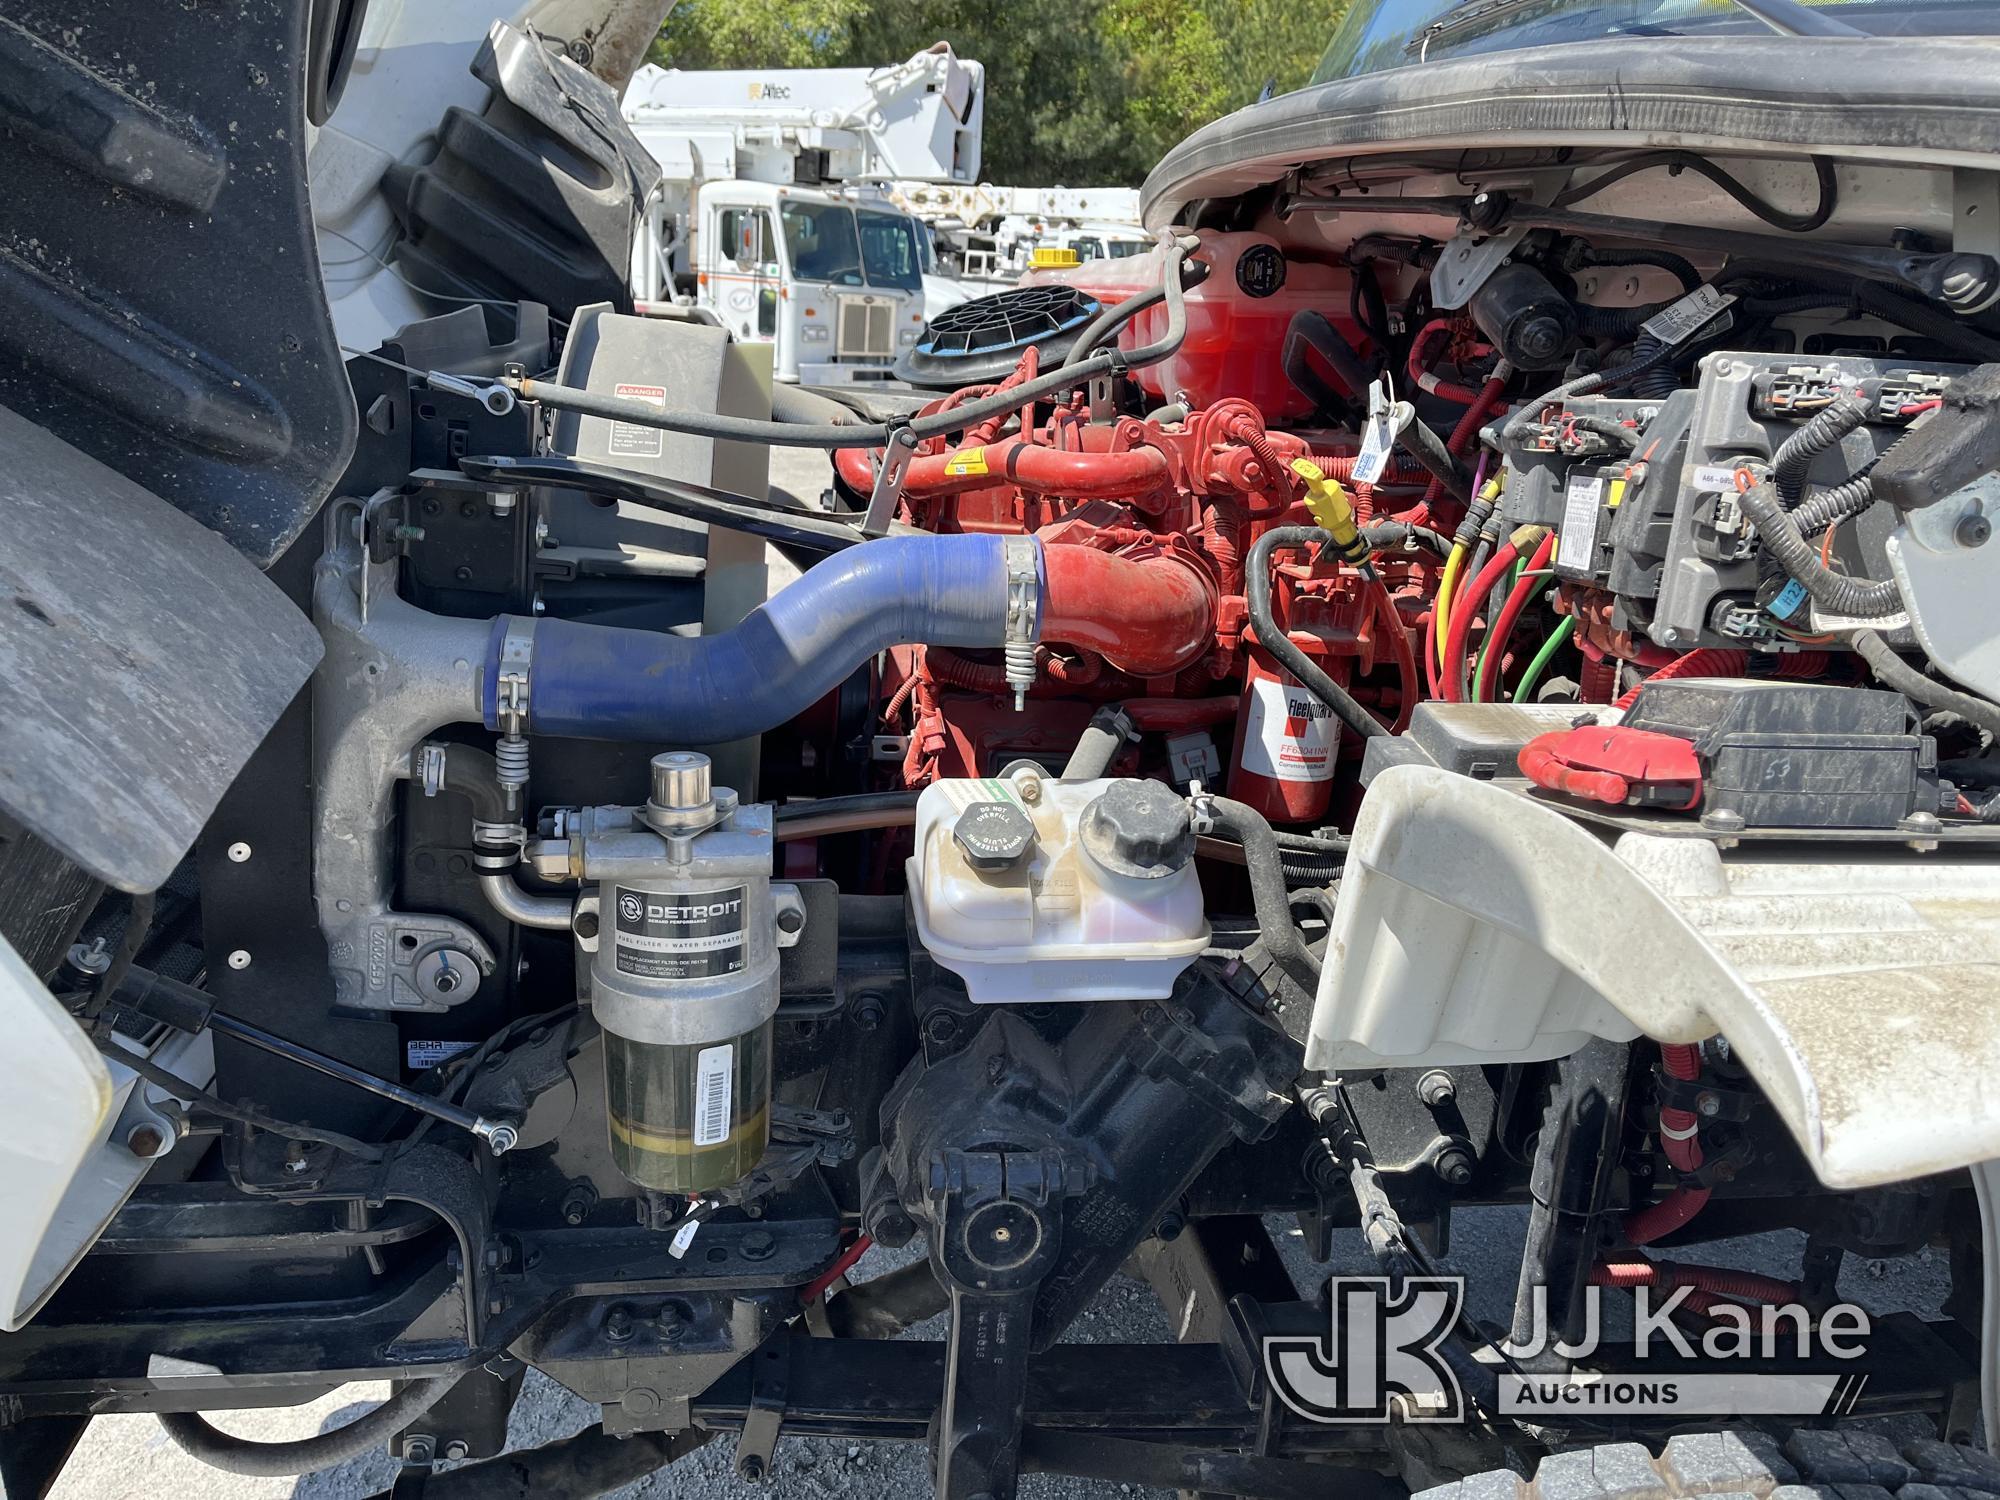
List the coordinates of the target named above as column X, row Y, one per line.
column 129, row 1455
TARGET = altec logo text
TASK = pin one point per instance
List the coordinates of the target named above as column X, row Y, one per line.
column 1402, row 1349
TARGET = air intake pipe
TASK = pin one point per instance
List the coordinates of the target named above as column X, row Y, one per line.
column 603, row 682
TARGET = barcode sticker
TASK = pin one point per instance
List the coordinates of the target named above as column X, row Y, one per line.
column 711, row 1095
column 1692, row 314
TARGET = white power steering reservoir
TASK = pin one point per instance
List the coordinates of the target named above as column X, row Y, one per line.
column 1034, row 890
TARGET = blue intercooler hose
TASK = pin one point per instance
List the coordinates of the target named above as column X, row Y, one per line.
column 601, row 682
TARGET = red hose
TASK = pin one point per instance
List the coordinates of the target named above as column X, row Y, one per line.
column 1666, row 1275
column 1148, row 616
column 1467, row 430
column 1034, row 467
column 1468, row 600
column 1399, row 646
column 842, row 1264
column 1677, row 1140
column 1717, row 662
column 1503, row 627
column 1420, row 366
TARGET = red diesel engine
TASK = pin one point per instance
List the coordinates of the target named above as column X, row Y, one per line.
column 1185, row 493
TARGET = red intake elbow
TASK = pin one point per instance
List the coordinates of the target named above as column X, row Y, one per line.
column 1148, row 616
column 1034, row 467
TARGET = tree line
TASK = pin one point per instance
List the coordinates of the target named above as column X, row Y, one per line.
column 1081, row 93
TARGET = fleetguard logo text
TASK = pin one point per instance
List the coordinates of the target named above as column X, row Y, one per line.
column 1393, row 1349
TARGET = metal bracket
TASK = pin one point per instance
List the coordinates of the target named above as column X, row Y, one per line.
column 391, row 676
column 1101, row 408
column 1464, row 265
column 770, row 1384
column 882, row 500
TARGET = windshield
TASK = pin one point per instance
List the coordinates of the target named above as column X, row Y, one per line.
column 821, row 241
column 832, row 243
column 889, row 251
column 1380, row 34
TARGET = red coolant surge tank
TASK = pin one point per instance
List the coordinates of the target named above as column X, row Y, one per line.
column 1236, row 325
column 1237, row 318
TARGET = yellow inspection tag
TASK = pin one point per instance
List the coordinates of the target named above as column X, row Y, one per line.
column 1614, row 495
column 967, row 463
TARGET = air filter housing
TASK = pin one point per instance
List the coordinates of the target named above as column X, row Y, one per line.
column 982, row 340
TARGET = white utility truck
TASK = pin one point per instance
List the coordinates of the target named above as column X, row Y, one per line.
column 771, row 218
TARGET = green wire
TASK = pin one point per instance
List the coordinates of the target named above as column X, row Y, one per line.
column 1479, row 667
column 1550, row 646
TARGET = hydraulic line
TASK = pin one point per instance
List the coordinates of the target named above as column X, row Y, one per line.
column 1531, row 580
column 1258, row 584
column 235, row 1455
column 1452, row 678
column 1485, row 496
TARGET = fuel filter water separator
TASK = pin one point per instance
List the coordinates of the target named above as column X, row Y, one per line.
column 684, row 982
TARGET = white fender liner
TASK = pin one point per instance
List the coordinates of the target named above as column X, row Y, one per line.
column 1858, row 982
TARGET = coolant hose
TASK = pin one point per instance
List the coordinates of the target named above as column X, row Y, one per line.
column 603, row 682
column 1269, row 893
column 234, row 1455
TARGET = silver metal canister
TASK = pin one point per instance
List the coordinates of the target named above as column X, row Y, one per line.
column 684, row 981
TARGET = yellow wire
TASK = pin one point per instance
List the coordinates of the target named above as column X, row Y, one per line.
column 1445, row 584
column 1452, row 564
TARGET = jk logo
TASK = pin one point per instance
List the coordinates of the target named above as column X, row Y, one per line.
column 1379, row 1345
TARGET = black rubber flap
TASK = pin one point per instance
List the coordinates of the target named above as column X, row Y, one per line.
column 160, row 300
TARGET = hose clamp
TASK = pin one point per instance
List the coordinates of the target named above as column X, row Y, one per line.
column 1022, row 556
column 512, row 675
column 1201, row 809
